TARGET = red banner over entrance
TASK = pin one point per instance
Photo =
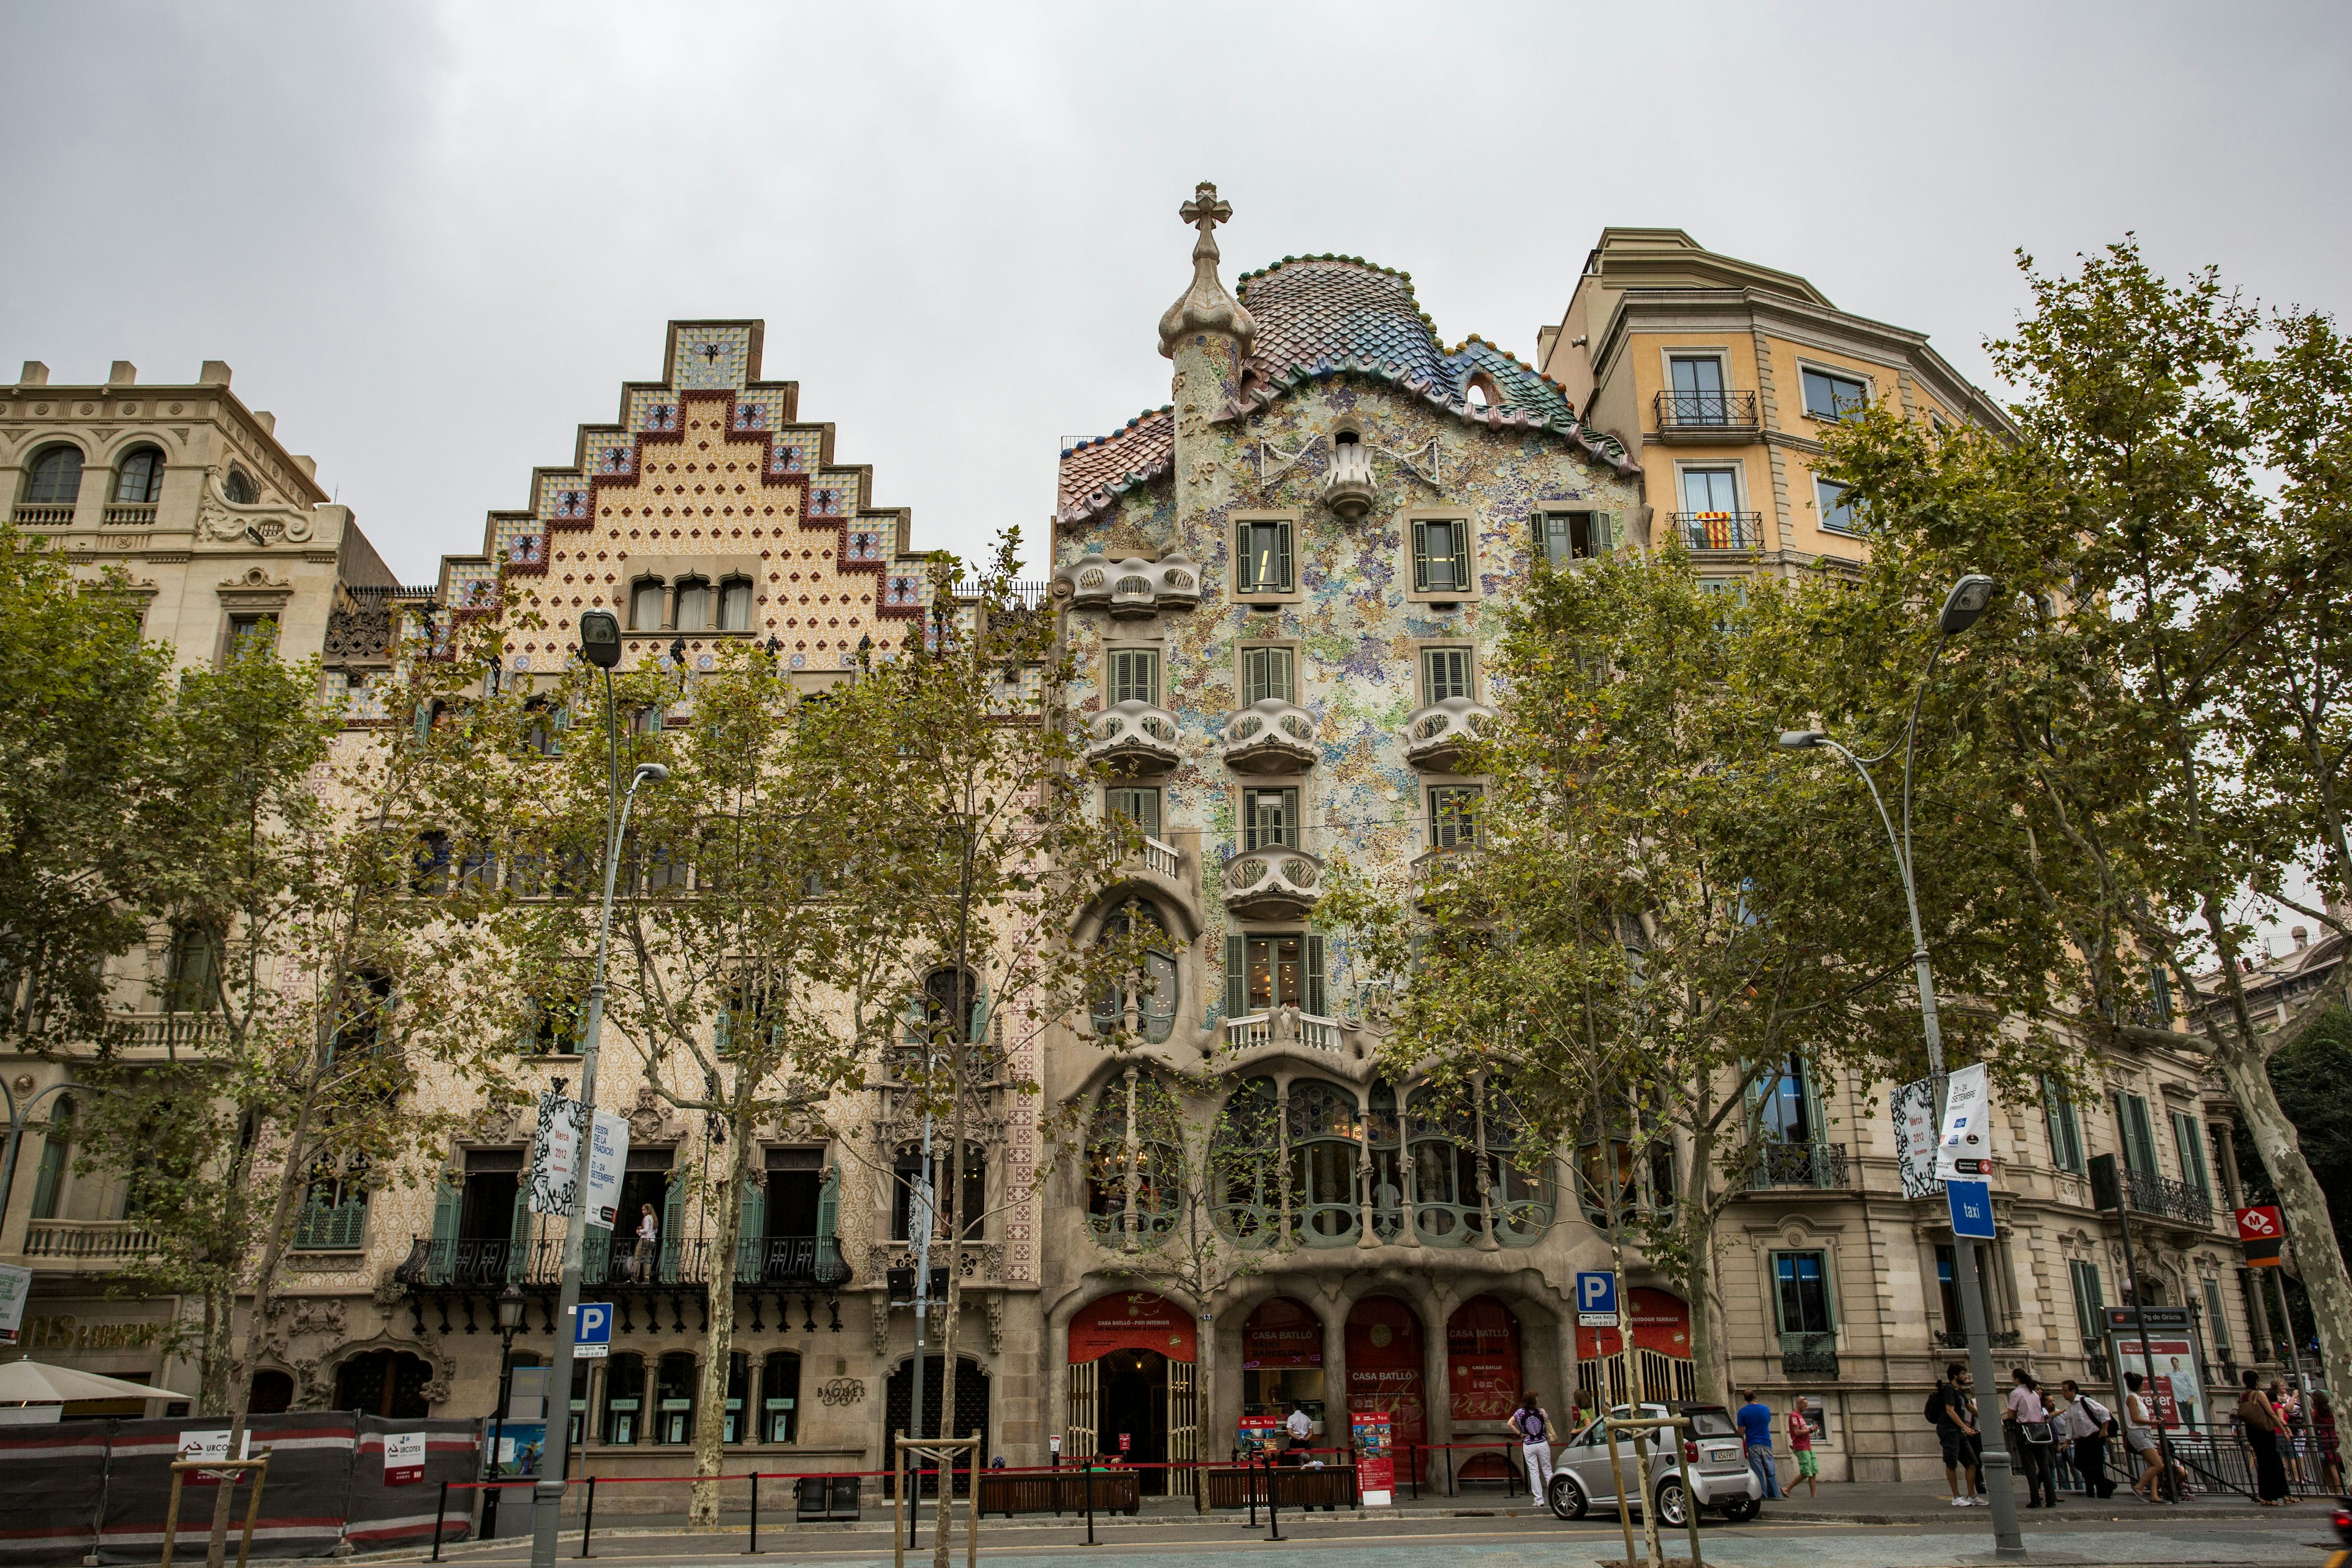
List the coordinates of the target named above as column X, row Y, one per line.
column 1282, row 1332
column 1482, row 1360
column 1384, row 1365
column 1133, row 1320
column 1661, row 1324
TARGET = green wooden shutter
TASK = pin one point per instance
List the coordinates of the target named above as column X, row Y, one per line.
column 1314, row 989
column 751, row 1233
column 1236, row 977
column 1458, row 534
column 1604, row 533
column 2139, row 1137
column 2188, row 1133
column 596, row 1255
column 828, row 1216
column 673, row 1244
column 519, row 1227
column 2050, row 1094
column 448, row 1202
column 1282, row 565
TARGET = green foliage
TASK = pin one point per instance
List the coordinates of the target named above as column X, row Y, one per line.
column 80, row 710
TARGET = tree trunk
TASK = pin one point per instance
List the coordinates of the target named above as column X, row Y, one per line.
column 718, row 1355
column 1710, row 1375
column 948, row 1379
column 240, row 1382
column 2300, row 1199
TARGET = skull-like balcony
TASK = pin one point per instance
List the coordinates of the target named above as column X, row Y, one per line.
column 1271, row 736
column 1348, row 482
column 1276, row 882
column 1133, row 587
column 1436, row 737
column 1134, row 738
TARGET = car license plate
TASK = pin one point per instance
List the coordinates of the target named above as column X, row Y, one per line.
column 1721, row 1455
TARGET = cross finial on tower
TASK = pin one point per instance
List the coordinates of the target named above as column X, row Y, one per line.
column 1204, row 211
column 1205, row 306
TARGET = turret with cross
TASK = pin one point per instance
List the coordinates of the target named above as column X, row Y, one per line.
column 1205, row 307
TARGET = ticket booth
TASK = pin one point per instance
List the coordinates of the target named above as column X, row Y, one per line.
column 1282, row 1364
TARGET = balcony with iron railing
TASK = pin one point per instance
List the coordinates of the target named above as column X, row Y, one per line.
column 2168, row 1199
column 1808, row 1355
column 1818, row 1165
column 2000, row 1339
column 1720, row 532
column 1707, row 416
column 448, row 1263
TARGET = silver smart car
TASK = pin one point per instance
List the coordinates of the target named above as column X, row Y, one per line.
column 1580, row 1479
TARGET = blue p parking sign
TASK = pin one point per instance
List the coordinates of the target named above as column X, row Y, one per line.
column 1596, row 1300
column 591, row 1332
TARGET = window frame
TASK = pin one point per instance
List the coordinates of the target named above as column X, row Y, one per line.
column 1826, row 506
column 692, row 583
column 1244, row 587
column 154, row 486
column 1452, row 829
column 1464, row 553
column 1808, row 369
column 40, row 459
column 2090, row 1316
column 1821, row 1257
column 1114, row 683
column 235, row 479
column 1290, row 835
column 638, row 586
column 2062, row 1117
column 2188, row 1151
column 1668, row 356
column 1421, row 662
column 1241, row 684
column 1600, row 535
column 1111, row 803
column 728, row 589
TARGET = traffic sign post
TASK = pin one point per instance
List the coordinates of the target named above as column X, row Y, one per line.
column 1596, row 1300
column 592, row 1330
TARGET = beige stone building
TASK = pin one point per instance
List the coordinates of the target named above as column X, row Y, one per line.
column 224, row 534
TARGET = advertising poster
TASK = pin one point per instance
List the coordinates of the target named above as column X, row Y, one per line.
column 608, row 1161
column 1260, row 1435
column 2171, row 1363
column 15, row 1284
column 519, row 1447
column 554, row 1172
column 1375, row 1459
column 404, row 1458
column 1914, row 1109
column 1965, row 1149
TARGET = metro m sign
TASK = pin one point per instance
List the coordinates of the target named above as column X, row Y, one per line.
column 2261, row 1233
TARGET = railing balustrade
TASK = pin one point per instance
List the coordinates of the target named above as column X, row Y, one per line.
column 490, row 1263
column 1707, row 412
column 1801, row 1165
column 2172, row 1200
column 90, row 1240
column 1719, row 530
column 1257, row 1029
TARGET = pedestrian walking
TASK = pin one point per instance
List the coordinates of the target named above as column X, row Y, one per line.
column 1953, row 1414
column 1535, row 1443
column 1756, row 1431
column 2028, row 1420
column 2263, row 1428
column 2139, row 1435
column 1800, row 1444
column 2088, row 1423
column 2322, row 1430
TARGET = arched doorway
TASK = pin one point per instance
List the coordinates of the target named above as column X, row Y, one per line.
column 971, row 1418
column 385, row 1383
column 1384, row 1371
column 1655, row 1365
column 1483, row 1377
column 1131, row 1362
column 272, row 1392
column 1282, row 1364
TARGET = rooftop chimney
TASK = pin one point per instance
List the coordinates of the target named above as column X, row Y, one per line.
column 2302, row 938
column 36, row 373
column 122, row 373
column 267, row 420
column 215, row 374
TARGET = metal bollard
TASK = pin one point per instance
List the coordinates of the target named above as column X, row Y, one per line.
column 752, row 1550
column 439, row 1514
column 588, row 1520
column 1273, row 1519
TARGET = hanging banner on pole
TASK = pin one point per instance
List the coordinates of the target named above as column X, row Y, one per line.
column 555, row 1154
column 15, row 1285
column 1914, row 1109
column 1966, row 1148
column 608, row 1161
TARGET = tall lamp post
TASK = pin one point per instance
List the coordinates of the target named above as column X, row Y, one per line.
column 511, row 1306
column 1963, row 606
column 599, row 644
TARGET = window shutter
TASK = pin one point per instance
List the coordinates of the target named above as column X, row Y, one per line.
column 1314, row 989
column 721, row 1028
column 1236, row 977
column 2050, row 1102
column 828, row 1201
column 1458, row 534
column 750, row 1234
column 519, row 1227
column 2139, row 1137
column 1282, row 569
column 672, row 1245
column 1604, row 533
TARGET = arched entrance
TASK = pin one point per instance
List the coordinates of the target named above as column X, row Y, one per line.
column 1384, row 1371
column 1131, row 1362
column 384, row 1382
column 970, row 1413
column 1657, row 1365
column 1483, row 1377
column 1282, row 1364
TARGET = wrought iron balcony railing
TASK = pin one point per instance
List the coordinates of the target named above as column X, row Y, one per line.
column 1801, row 1165
column 2164, row 1196
column 491, row 1263
column 1808, row 1355
column 1706, row 416
column 1720, row 529
column 2000, row 1339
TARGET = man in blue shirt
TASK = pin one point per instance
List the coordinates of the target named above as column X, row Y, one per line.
column 1756, row 1431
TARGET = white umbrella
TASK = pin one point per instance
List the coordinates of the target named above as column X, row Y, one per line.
column 32, row 1382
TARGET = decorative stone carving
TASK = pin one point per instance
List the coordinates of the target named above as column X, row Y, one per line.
column 1205, row 307
column 881, row 1325
column 996, row 1325
column 1135, row 737
column 650, row 1121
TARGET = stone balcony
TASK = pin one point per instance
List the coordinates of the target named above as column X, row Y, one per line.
column 1348, row 485
column 1284, row 1026
column 1436, row 737
column 1270, row 736
column 1135, row 737
column 79, row 1245
column 1131, row 588
column 1276, row 882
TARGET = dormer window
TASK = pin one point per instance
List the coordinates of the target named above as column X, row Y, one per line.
column 239, row 486
column 1481, row 393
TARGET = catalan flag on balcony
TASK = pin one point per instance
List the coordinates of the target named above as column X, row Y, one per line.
column 1716, row 529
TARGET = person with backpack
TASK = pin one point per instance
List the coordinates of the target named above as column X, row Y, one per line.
column 1952, row 1414
column 2088, row 1424
column 1535, row 1443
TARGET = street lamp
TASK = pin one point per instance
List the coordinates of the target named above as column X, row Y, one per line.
column 600, row 642
column 510, row 1305
column 1963, row 608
